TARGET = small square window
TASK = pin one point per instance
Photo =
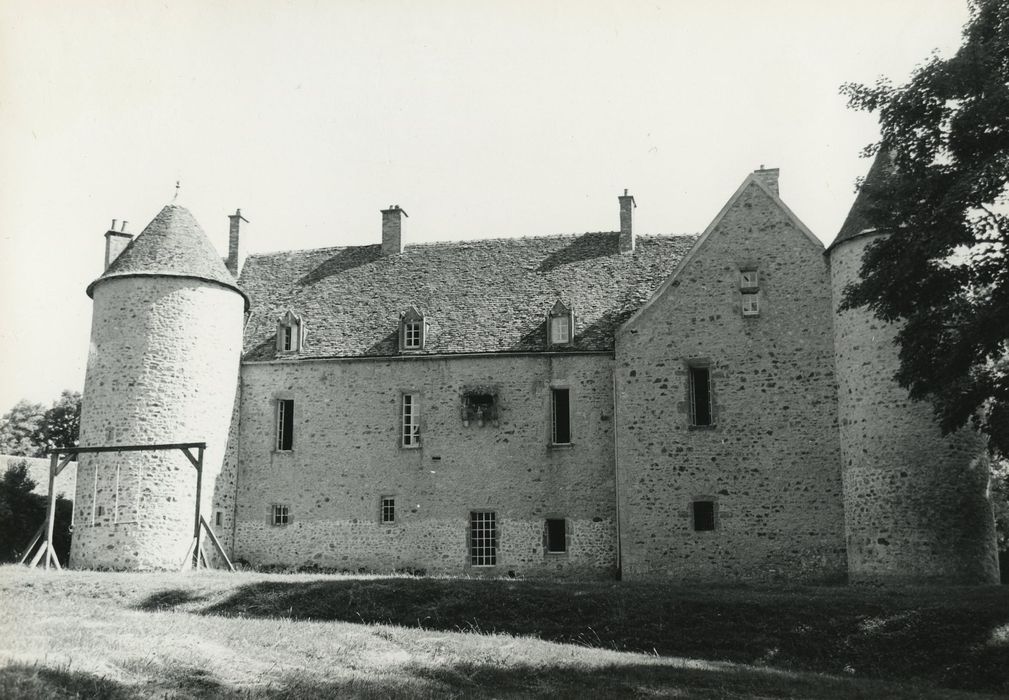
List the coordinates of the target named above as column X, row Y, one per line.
column 218, row 518
column 281, row 515
column 557, row 541
column 388, row 509
column 748, row 279
column 751, row 304
column 703, row 515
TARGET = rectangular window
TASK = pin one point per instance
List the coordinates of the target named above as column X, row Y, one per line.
column 285, row 425
column 281, row 515
column 560, row 330
column 483, row 538
column 411, row 421
column 747, row 279
column 288, row 338
column 703, row 514
column 412, row 335
column 218, row 517
column 557, row 542
column 388, row 509
column 751, row 304
column 700, row 396
column 561, row 415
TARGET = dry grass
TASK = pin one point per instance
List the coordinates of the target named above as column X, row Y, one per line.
column 87, row 634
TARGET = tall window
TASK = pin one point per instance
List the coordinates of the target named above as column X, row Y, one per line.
column 557, row 541
column 411, row 421
column 285, row 425
column 700, row 396
column 749, row 287
column 290, row 332
column 483, row 538
column 281, row 515
column 560, row 400
column 388, row 509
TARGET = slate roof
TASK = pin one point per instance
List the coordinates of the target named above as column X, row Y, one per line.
column 857, row 222
column 478, row 296
column 173, row 244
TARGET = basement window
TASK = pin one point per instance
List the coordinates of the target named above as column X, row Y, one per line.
column 560, row 410
column 281, row 515
column 388, row 509
column 700, row 396
column 556, row 536
column 483, row 538
column 285, row 425
column 702, row 514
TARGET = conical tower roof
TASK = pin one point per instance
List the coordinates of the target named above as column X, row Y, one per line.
column 857, row 221
column 172, row 245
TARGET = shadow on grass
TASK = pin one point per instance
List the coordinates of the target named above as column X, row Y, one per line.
column 170, row 599
column 936, row 638
column 471, row 681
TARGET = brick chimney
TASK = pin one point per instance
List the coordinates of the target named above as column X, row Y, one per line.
column 392, row 229
column 231, row 262
column 116, row 242
column 627, row 206
column 768, row 177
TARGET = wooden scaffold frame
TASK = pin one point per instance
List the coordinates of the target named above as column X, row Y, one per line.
column 58, row 462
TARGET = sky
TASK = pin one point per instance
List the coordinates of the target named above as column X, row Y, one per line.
column 480, row 119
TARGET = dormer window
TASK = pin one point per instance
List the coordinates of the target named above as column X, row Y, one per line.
column 560, row 325
column 290, row 333
column 412, row 329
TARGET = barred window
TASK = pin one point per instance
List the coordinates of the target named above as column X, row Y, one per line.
column 411, row 421
column 388, row 509
column 483, row 538
column 281, row 515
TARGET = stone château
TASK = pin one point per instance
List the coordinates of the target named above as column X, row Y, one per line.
column 686, row 407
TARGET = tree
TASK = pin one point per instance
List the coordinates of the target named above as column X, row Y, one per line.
column 61, row 424
column 19, row 429
column 940, row 191
column 22, row 511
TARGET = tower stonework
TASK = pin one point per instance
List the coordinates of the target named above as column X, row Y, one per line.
column 915, row 501
column 162, row 368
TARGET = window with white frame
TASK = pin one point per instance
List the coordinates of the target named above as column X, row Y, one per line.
column 281, row 515
column 410, row 432
column 290, row 333
column 411, row 329
column 751, row 303
column 483, row 538
column 560, row 324
column 388, row 509
column 285, row 425
column 748, row 279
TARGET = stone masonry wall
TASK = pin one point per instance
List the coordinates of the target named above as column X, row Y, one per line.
column 771, row 461
column 347, row 455
column 916, row 502
column 162, row 368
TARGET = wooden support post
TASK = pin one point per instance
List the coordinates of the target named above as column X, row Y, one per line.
column 199, row 516
column 51, row 513
column 187, row 560
column 31, row 545
column 38, row 555
column 217, row 543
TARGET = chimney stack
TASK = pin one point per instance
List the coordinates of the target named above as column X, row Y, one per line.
column 627, row 206
column 115, row 242
column 232, row 260
column 768, row 177
column 392, row 229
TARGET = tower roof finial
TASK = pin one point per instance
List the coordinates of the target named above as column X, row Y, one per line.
column 178, row 184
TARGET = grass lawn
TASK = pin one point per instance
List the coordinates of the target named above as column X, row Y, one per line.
column 213, row 634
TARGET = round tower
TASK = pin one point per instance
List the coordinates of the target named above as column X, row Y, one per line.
column 915, row 502
column 166, row 336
